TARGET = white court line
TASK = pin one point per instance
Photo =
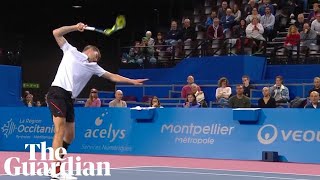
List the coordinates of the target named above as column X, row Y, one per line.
column 227, row 170
column 215, row 174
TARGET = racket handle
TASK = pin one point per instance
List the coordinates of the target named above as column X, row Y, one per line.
column 90, row 28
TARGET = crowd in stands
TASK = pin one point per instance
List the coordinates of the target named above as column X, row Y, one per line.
column 275, row 96
column 236, row 24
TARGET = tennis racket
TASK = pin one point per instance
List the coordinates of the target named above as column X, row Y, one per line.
column 120, row 24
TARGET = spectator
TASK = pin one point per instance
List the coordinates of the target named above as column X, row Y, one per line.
column 316, row 87
column 236, row 13
column 29, row 101
column 155, row 102
column 146, row 53
column 293, row 37
column 174, row 35
column 280, row 92
column 313, row 13
column 159, row 43
column 314, row 100
column 210, row 19
column 300, row 22
column 93, row 100
column 215, row 31
column 266, row 3
column 45, row 103
column 249, row 9
column 239, row 100
column 254, row 32
column 223, row 92
column 134, row 55
column 239, row 32
column 38, row 103
column 186, row 89
column 222, row 10
column 253, row 15
column 315, row 25
column 308, row 37
column 227, row 22
column 267, row 21
column 247, row 86
column 282, row 20
column 267, row 101
column 188, row 32
column 191, row 102
column 149, row 38
column 199, row 95
column 118, row 102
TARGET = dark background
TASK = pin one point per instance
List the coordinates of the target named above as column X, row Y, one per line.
column 26, row 32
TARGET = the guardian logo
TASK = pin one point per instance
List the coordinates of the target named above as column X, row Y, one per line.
column 269, row 133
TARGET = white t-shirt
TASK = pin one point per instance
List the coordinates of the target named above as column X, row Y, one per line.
column 75, row 70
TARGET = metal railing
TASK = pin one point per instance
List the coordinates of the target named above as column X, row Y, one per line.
column 275, row 51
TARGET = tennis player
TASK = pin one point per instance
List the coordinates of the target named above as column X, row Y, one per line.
column 74, row 72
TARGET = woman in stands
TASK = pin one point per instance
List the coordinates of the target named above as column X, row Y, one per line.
column 93, row 100
column 155, row 102
column 293, row 37
column 267, row 101
column 223, row 92
column 191, row 102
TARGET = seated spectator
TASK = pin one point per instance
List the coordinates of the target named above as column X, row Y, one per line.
column 210, row 19
column 155, row 102
column 239, row 100
column 236, row 13
column 266, row 3
column 239, row 33
column 254, row 31
column 134, row 55
column 159, row 43
column 282, row 20
column 316, row 83
column 215, row 31
column 216, row 36
column 247, row 86
column 199, row 95
column 254, row 14
column 118, row 102
column 267, row 21
column 300, row 22
column 149, row 38
column 174, row 34
column 248, row 9
column 45, row 103
column 315, row 25
column 227, row 22
column 223, row 9
column 146, row 53
column 93, row 100
column 293, row 37
column 308, row 37
column 223, row 92
column 191, row 102
column 186, row 89
column 314, row 100
column 29, row 101
column 188, row 32
column 38, row 103
column 280, row 92
column 267, row 101
column 313, row 13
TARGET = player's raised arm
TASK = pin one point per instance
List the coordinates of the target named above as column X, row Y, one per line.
column 60, row 32
column 121, row 79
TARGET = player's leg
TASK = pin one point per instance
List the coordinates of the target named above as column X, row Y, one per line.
column 70, row 125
